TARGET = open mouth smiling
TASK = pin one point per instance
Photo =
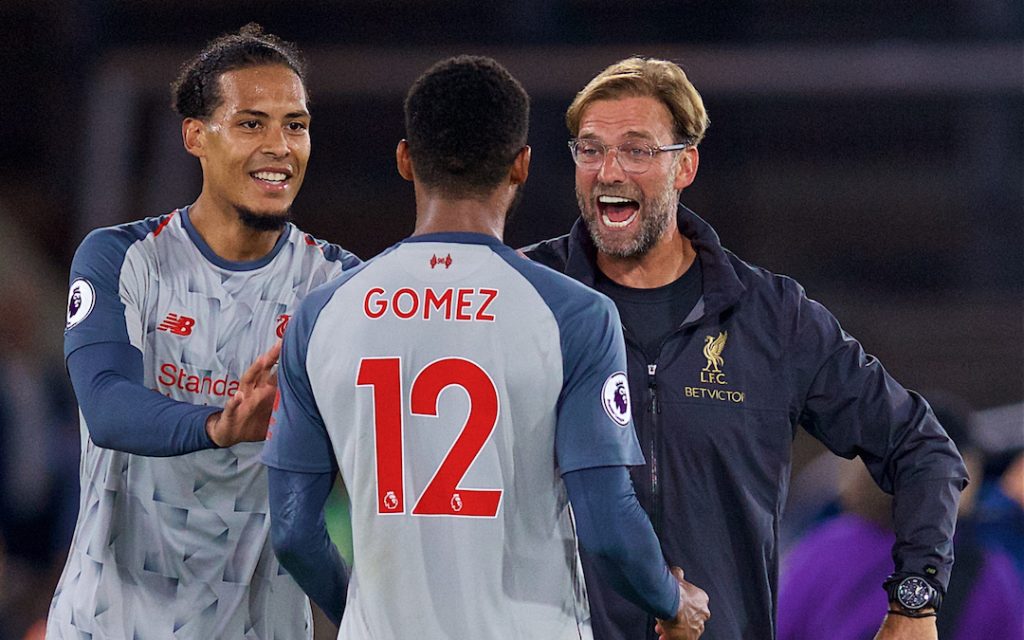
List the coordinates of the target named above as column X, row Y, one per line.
column 617, row 212
column 271, row 177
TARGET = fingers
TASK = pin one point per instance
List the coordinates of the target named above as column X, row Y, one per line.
column 219, row 425
column 232, row 406
column 274, row 353
column 693, row 609
column 262, row 369
column 267, row 360
column 271, row 379
column 268, row 363
column 252, row 374
column 267, row 376
column 246, row 413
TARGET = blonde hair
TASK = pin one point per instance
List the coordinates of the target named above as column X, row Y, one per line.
column 638, row 77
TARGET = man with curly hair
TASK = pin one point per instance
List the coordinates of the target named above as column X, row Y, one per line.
column 172, row 333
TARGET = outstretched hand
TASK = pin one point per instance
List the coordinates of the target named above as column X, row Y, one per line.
column 247, row 413
column 693, row 612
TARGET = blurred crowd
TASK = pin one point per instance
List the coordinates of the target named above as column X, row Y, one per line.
column 39, row 446
column 838, row 536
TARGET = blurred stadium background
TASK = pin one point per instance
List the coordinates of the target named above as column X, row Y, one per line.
column 872, row 150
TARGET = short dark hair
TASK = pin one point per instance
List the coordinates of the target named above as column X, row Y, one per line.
column 196, row 91
column 466, row 120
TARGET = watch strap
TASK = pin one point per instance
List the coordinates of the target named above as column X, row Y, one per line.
column 913, row 614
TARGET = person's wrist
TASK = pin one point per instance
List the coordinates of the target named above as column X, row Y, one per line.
column 895, row 608
column 211, row 427
column 912, row 595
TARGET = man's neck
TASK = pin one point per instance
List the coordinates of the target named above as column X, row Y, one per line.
column 665, row 263
column 227, row 236
column 436, row 214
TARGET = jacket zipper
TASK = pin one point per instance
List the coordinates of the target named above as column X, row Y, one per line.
column 654, row 409
column 652, row 457
column 652, row 443
column 652, row 448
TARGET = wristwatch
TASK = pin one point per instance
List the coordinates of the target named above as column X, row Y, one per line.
column 912, row 592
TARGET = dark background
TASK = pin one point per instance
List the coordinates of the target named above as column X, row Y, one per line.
column 872, row 150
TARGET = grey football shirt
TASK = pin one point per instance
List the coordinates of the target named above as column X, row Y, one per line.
column 177, row 547
column 453, row 382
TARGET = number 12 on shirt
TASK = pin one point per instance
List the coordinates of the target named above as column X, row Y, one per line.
column 442, row 497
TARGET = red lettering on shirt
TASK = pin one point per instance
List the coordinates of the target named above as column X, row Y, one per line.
column 462, row 304
column 481, row 313
column 174, row 377
column 178, row 325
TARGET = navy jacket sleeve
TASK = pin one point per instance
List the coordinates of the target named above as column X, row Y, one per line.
column 613, row 527
column 856, row 408
column 124, row 415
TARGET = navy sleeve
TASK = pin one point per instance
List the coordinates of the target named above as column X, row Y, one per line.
column 124, row 415
column 613, row 527
column 595, row 424
column 98, row 310
column 299, row 536
column 856, row 408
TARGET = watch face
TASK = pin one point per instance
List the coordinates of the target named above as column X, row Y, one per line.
column 914, row 593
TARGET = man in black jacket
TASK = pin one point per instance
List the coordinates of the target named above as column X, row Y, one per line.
column 725, row 359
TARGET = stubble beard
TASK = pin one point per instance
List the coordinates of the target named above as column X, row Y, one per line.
column 261, row 221
column 655, row 217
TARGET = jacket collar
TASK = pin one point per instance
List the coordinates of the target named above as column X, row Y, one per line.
column 722, row 285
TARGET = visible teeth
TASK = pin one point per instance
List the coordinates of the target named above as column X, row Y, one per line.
column 608, row 222
column 271, row 176
column 614, row 200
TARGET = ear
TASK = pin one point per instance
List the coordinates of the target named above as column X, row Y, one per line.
column 687, row 170
column 193, row 135
column 404, row 160
column 520, row 166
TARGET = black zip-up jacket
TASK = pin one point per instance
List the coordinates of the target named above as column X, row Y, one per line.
column 716, row 412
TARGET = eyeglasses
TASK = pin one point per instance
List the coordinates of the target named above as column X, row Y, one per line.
column 633, row 156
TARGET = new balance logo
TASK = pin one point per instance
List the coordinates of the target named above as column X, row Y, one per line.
column 178, row 325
